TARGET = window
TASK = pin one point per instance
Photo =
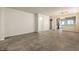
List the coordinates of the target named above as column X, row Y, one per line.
column 62, row 22
column 70, row 21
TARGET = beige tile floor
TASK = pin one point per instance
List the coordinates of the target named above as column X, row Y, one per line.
column 43, row 41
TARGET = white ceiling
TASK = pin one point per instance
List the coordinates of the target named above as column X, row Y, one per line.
column 50, row 11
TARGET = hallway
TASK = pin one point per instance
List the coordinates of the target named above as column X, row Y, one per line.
column 43, row 41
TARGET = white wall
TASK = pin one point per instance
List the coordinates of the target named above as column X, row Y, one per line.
column 36, row 22
column 18, row 22
column 1, row 24
column 43, row 22
column 15, row 22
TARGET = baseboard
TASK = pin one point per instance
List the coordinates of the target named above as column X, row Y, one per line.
column 1, row 39
column 19, row 35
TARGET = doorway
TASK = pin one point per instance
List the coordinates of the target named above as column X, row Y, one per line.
column 50, row 24
column 58, row 23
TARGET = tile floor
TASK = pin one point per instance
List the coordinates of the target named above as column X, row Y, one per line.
column 43, row 41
